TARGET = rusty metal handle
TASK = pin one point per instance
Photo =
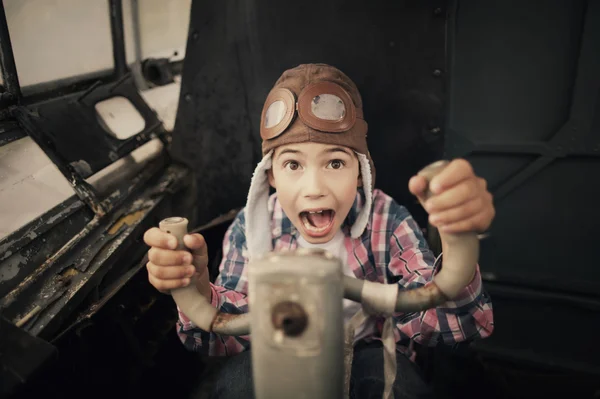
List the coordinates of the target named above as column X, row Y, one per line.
column 460, row 262
column 192, row 303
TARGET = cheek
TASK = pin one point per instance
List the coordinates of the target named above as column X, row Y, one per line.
column 284, row 188
column 346, row 189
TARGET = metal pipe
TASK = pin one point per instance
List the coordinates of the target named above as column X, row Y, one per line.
column 460, row 263
column 7, row 60
column 118, row 37
column 195, row 305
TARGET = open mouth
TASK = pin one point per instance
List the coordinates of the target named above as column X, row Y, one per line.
column 317, row 222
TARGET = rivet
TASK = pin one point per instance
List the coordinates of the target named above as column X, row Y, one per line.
column 436, row 130
column 437, row 11
column 437, row 72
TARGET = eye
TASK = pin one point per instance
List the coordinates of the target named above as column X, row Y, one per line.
column 292, row 165
column 336, row 164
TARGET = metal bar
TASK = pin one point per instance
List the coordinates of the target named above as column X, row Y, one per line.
column 518, row 179
column 118, row 37
column 137, row 40
column 9, row 132
column 14, row 242
column 7, row 60
column 84, row 191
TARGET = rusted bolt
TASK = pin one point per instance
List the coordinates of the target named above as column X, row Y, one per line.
column 289, row 317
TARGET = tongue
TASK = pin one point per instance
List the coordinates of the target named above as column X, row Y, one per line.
column 319, row 219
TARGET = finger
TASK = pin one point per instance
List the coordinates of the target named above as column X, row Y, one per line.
column 167, row 285
column 196, row 243
column 417, row 185
column 154, row 237
column 168, row 257
column 453, row 215
column 476, row 223
column 454, row 173
column 453, row 197
column 170, row 272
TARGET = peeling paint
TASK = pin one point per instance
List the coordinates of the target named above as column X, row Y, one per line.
column 82, row 167
column 67, row 210
column 11, row 268
column 128, row 219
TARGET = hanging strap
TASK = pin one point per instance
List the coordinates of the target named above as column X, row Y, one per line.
column 387, row 336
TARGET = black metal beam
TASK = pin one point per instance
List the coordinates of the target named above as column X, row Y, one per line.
column 118, row 37
column 7, row 62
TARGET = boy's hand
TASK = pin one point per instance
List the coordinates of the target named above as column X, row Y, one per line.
column 460, row 201
column 169, row 269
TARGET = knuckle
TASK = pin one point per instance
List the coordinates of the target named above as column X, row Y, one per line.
column 482, row 183
column 159, row 273
column 145, row 238
column 152, row 255
column 465, row 165
column 153, row 281
column 148, row 236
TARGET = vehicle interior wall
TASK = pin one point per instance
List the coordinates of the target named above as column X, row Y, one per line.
column 492, row 82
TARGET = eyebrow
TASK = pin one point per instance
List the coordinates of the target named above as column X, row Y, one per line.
column 288, row 151
column 338, row 149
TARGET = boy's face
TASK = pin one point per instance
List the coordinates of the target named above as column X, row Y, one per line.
column 316, row 185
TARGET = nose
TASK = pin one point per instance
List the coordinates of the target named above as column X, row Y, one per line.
column 313, row 184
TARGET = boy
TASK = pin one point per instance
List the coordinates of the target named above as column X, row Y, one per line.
column 316, row 158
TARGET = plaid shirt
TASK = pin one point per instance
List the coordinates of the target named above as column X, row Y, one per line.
column 392, row 249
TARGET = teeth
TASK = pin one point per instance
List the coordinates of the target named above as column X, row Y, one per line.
column 311, row 212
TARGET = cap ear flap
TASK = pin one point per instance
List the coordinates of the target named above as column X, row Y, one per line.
column 362, row 219
column 258, row 221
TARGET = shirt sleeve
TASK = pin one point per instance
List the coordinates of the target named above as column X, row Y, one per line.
column 467, row 317
column 229, row 295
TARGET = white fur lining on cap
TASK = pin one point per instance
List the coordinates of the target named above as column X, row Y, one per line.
column 363, row 216
column 258, row 221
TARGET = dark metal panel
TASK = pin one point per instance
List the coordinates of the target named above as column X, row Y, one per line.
column 236, row 50
column 522, row 100
column 10, row 131
column 21, row 355
column 541, row 327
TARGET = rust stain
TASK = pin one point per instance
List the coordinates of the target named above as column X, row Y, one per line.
column 221, row 320
column 128, row 219
column 425, row 297
column 69, row 272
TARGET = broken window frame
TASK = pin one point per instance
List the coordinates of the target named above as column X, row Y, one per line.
column 11, row 130
column 71, row 222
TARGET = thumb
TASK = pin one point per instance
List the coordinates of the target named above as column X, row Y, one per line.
column 197, row 246
column 418, row 185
